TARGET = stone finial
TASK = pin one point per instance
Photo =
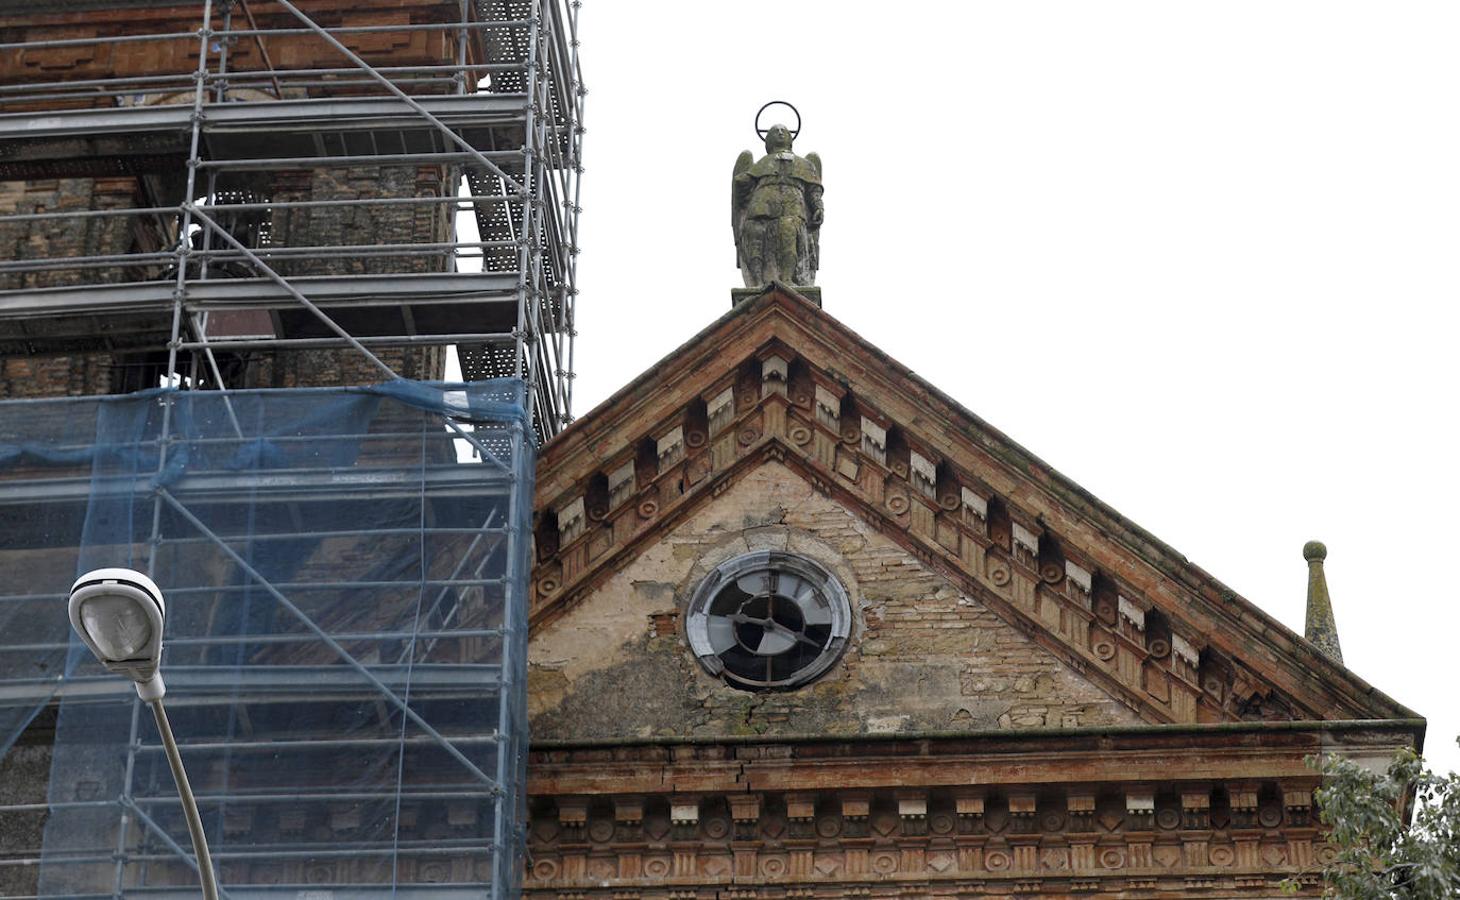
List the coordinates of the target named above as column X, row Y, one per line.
column 1320, row 627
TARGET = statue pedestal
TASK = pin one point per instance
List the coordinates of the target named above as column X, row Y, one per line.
column 809, row 291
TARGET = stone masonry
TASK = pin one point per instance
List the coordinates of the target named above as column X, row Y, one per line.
column 923, row 656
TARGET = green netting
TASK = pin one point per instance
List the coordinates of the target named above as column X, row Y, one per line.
column 345, row 573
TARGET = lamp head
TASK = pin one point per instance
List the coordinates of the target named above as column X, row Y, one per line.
column 118, row 614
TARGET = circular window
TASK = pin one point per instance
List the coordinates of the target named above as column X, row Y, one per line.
column 768, row 620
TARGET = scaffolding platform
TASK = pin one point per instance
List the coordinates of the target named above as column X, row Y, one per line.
column 203, row 198
column 346, row 581
column 293, row 158
column 237, row 129
column 447, row 307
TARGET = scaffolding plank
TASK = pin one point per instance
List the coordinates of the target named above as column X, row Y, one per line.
column 389, row 290
column 291, row 684
column 330, row 113
column 278, row 487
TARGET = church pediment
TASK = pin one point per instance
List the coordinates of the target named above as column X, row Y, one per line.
column 868, row 638
column 779, row 383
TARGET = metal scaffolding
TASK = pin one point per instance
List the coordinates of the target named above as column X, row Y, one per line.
column 346, row 638
column 346, row 568
column 216, row 263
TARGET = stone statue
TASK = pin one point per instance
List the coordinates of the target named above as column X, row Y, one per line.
column 776, row 212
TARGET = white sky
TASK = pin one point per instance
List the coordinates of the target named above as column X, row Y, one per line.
column 1200, row 257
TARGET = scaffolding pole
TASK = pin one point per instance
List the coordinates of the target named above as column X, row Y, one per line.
column 246, row 237
column 504, row 109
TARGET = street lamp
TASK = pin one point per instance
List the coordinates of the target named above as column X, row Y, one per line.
column 118, row 614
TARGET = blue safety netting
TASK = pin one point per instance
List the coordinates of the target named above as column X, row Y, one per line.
column 345, row 573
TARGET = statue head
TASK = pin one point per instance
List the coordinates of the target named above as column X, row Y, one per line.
column 778, row 138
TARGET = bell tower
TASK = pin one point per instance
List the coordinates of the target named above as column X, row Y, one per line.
column 241, row 242
column 240, row 193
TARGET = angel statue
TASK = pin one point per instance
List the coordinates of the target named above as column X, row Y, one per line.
column 776, row 212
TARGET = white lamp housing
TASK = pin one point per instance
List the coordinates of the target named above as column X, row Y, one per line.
column 118, row 614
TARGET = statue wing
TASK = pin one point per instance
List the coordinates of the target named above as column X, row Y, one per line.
column 742, row 163
column 815, row 160
column 737, row 196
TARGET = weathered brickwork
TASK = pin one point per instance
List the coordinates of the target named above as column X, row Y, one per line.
column 94, row 373
column 923, row 656
column 359, row 225
column 61, row 238
column 36, row 22
column 24, row 377
column 779, row 382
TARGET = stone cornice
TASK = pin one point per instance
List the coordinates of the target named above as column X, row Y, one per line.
column 1013, row 740
column 1085, row 813
column 789, row 384
column 1133, row 754
column 1093, row 812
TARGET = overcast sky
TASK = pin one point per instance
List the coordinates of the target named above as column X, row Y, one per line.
column 1200, row 257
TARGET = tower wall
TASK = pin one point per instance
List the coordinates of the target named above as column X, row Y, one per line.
column 259, row 209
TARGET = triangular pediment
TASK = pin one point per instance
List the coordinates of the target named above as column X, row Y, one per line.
column 780, row 383
column 923, row 655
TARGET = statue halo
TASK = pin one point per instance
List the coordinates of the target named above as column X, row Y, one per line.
column 761, row 132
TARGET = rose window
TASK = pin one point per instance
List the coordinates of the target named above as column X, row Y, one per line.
column 768, row 620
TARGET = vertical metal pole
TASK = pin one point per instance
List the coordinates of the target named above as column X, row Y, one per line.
column 527, row 351
column 221, row 88
column 575, row 168
column 463, row 14
column 456, row 174
column 537, row 237
column 179, row 290
column 200, row 320
column 511, row 732
column 208, row 232
column 179, row 296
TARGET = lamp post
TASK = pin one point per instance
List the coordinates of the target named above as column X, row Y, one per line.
column 118, row 614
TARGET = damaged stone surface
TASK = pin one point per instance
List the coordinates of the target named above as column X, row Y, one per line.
column 922, row 657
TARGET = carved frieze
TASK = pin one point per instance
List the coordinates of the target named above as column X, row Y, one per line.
column 1107, row 839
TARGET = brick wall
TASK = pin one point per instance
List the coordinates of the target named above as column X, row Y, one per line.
column 93, row 373
column 922, row 656
column 356, row 225
column 327, row 368
column 61, row 238
column 179, row 56
column 24, row 377
column 57, row 239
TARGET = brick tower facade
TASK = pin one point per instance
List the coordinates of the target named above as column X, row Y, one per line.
column 242, row 201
